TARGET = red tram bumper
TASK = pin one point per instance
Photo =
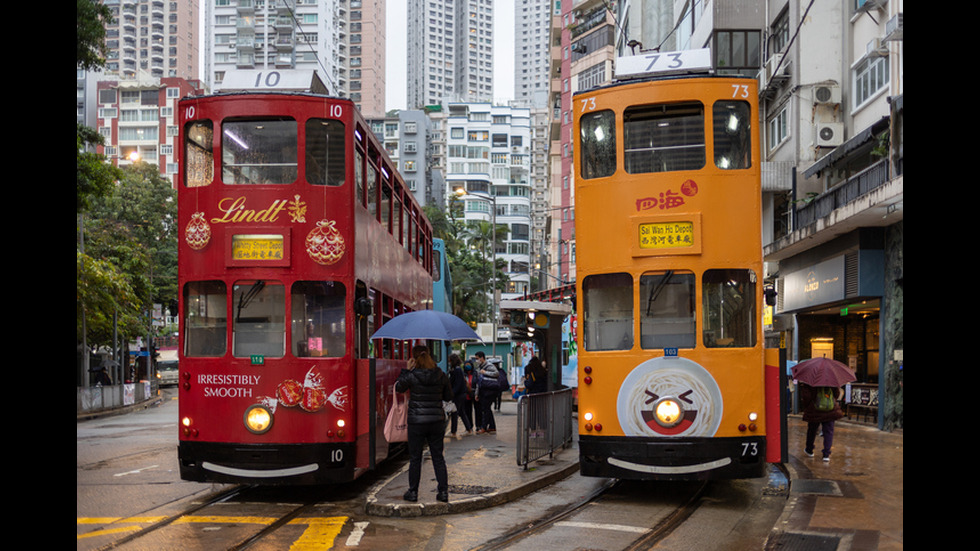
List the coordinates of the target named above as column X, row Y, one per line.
column 672, row 458
column 283, row 464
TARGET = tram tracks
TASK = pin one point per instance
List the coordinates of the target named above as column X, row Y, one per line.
column 211, row 500
column 668, row 523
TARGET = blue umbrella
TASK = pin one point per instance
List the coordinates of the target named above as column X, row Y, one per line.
column 426, row 324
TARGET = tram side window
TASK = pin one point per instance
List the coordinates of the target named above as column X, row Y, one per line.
column 318, row 319
column 359, row 176
column 372, row 189
column 325, row 152
column 205, row 318
column 259, row 323
column 728, row 303
column 732, row 135
column 259, row 151
column 667, row 310
column 199, row 154
column 598, row 144
column 664, row 138
column 608, row 311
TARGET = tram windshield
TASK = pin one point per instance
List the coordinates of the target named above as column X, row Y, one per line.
column 259, row 324
column 663, row 138
column 318, row 319
column 259, row 151
column 205, row 318
column 667, row 310
column 728, row 298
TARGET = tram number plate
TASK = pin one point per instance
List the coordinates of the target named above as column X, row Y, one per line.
column 666, row 235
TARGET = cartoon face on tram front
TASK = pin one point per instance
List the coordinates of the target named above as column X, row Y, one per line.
column 669, row 396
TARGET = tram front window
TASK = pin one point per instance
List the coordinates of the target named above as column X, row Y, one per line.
column 198, row 154
column 205, row 318
column 667, row 310
column 598, row 144
column 259, row 152
column 608, row 312
column 318, row 319
column 732, row 135
column 729, row 308
column 664, row 138
column 259, row 324
column 325, row 152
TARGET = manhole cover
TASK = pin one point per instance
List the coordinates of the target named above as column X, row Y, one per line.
column 788, row 541
column 470, row 490
column 815, row 486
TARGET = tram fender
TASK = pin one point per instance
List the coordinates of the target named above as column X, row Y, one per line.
column 775, row 419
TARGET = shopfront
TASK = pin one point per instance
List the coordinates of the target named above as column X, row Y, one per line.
column 829, row 304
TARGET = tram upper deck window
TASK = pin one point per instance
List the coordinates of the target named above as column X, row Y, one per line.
column 667, row 310
column 608, row 312
column 318, row 319
column 732, row 134
column 664, row 138
column 325, row 152
column 257, row 151
column 205, row 318
column 198, row 154
column 728, row 303
column 597, row 145
column 259, row 324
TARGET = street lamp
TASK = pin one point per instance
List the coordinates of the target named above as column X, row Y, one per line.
column 463, row 194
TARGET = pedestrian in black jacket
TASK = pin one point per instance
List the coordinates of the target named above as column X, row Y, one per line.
column 458, row 382
column 429, row 387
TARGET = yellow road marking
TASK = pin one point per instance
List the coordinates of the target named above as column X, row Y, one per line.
column 320, row 532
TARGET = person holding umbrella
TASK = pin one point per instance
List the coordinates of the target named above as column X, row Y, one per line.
column 820, row 381
column 429, row 388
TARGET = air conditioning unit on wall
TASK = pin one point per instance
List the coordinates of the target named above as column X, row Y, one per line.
column 830, row 134
column 826, row 94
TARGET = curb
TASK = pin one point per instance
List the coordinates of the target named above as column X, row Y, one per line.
column 465, row 505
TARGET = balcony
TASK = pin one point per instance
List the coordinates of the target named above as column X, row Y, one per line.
column 870, row 198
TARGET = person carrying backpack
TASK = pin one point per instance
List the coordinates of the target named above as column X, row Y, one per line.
column 821, row 408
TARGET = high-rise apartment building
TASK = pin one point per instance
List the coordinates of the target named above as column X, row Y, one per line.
column 407, row 137
column 489, row 157
column 342, row 40
column 156, row 37
column 532, row 50
column 450, row 52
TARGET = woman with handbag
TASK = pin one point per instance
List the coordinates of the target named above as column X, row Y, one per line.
column 429, row 387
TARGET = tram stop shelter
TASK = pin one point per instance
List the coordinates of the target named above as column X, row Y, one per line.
column 540, row 322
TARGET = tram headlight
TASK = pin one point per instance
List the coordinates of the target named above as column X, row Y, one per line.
column 258, row 419
column 668, row 412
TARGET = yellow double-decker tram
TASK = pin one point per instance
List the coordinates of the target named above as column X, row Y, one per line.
column 669, row 274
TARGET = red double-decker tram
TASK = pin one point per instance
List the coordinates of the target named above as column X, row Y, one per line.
column 298, row 239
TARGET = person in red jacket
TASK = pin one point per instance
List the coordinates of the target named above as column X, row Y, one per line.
column 816, row 419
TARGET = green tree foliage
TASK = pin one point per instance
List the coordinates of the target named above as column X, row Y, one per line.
column 468, row 250
column 130, row 241
column 90, row 18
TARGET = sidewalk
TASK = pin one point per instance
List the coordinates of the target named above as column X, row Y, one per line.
column 855, row 502
column 488, row 464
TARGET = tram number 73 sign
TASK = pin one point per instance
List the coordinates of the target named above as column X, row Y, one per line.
column 663, row 62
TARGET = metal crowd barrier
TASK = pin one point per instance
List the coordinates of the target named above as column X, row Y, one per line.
column 544, row 424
